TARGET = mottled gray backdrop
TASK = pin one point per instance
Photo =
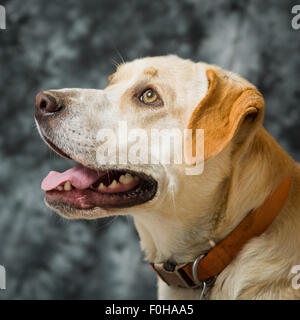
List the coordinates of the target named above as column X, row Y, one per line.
column 55, row 44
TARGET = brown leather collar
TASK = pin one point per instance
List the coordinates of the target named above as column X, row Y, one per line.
column 206, row 267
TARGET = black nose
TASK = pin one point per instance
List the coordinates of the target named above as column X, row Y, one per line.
column 45, row 103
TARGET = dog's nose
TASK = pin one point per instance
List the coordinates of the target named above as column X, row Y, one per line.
column 45, row 103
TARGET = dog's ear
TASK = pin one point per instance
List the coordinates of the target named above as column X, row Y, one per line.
column 232, row 108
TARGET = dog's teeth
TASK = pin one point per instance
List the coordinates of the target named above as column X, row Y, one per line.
column 68, row 186
column 114, row 185
column 101, row 186
column 122, row 179
column 60, row 188
column 128, row 178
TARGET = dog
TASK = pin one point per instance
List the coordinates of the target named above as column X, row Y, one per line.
column 182, row 217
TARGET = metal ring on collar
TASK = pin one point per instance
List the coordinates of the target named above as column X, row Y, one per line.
column 195, row 266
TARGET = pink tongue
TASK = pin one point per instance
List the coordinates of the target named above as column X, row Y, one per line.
column 79, row 176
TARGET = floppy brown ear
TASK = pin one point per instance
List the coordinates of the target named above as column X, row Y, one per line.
column 231, row 108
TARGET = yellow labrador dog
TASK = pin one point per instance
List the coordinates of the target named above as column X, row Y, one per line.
column 230, row 230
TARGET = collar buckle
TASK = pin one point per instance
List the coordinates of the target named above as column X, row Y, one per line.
column 174, row 275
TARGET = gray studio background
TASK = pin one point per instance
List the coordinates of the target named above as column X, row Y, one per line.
column 56, row 44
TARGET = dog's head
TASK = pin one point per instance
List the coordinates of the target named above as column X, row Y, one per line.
column 115, row 135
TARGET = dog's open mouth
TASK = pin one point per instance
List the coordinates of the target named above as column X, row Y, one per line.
column 84, row 188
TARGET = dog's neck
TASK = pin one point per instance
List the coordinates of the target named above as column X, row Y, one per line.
column 254, row 175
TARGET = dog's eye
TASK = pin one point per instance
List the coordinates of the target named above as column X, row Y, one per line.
column 149, row 96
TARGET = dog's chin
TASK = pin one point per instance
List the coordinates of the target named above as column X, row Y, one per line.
column 69, row 212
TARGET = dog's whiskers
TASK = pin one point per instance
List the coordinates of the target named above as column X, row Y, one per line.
column 119, row 54
column 115, row 63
